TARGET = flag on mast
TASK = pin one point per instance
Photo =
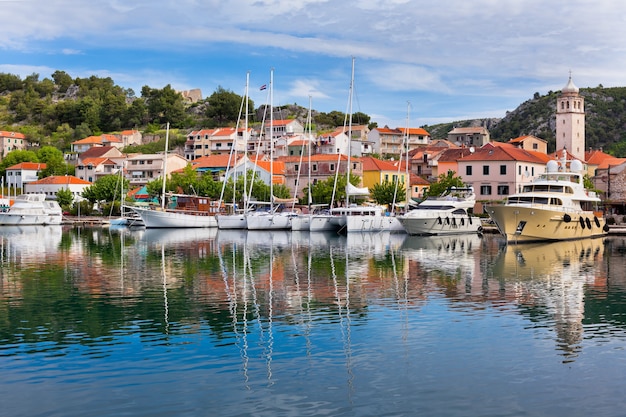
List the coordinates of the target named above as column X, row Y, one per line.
column 263, row 87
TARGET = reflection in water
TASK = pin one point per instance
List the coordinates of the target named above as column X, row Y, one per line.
column 549, row 280
column 270, row 312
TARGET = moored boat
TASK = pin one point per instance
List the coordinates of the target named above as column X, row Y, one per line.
column 183, row 211
column 449, row 213
column 32, row 209
column 554, row 206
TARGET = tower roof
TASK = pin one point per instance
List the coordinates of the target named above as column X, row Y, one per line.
column 570, row 87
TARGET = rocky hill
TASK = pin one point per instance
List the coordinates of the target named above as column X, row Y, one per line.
column 605, row 110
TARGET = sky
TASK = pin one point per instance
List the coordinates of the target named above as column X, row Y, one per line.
column 416, row 62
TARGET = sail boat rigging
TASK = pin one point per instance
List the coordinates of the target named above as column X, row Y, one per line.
column 272, row 219
column 187, row 212
column 237, row 219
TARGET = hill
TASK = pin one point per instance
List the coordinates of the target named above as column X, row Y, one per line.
column 605, row 110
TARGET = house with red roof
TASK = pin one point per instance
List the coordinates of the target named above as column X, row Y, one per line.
column 19, row 174
column 377, row 171
column 530, row 142
column 11, row 141
column 50, row 185
column 496, row 169
column 389, row 142
column 218, row 141
column 333, row 143
column 216, row 165
column 87, row 143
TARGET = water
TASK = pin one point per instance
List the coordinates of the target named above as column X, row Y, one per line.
column 119, row 322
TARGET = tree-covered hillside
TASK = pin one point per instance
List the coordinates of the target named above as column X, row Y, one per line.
column 59, row 110
column 605, row 126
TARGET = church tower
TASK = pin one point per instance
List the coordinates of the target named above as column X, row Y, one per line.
column 570, row 121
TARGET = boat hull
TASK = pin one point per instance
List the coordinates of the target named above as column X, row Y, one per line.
column 425, row 224
column 167, row 219
column 231, row 221
column 366, row 223
column 301, row 222
column 269, row 221
column 8, row 219
column 531, row 224
column 323, row 223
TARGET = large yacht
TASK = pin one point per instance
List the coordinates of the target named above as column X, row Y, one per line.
column 554, row 206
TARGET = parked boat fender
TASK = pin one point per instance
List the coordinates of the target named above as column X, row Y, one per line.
column 567, row 218
column 447, row 220
column 439, row 220
column 588, row 222
column 582, row 222
column 606, row 227
column 596, row 221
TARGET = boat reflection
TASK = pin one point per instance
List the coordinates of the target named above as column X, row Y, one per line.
column 548, row 281
column 30, row 243
column 446, row 253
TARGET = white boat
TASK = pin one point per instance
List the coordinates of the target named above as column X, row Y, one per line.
column 554, row 206
column 129, row 218
column 184, row 211
column 231, row 221
column 273, row 218
column 442, row 215
column 269, row 220
column 32, row 209
column 361, row 218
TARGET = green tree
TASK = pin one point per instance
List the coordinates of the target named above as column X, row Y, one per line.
column 54, row 160
column 224, row 107
column 443, row 183
column 322, row 191
column 385, row 192
column 15, row 157
column 106, row 189
column 164, row 105
column 64, row 197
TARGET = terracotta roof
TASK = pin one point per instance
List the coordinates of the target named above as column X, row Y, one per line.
column 7, row 134
column 61, row 180
column 497, row 151
column 98, row 140
column 97, row 151
column 596, row 157
column 373, row 164
column 523, row 138
column 34, row 166
column 418, row 131
column 417, row 180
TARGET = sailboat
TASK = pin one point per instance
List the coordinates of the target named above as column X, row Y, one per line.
column 184, row 210
column 271, row 219
column 237, row 219
column 353, row 218
column 302, row 222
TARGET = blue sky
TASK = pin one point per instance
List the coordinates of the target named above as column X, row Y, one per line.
column 450, row 59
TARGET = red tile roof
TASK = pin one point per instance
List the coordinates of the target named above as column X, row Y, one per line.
column 61, row 180
column 6, row 134
column 373, row 164
column 34, row 166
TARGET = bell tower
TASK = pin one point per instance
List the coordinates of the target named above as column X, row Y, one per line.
column 570, row 121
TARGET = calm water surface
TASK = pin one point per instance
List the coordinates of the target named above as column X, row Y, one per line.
column 118, row 322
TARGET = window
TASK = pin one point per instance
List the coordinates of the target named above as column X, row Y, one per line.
column 314, row 167
column 485, row 189
column 503, row 190
column 332, row 167
column 535, row 146
column 296, row 167
column 485, row 169
column 502, row 169
column 468, row 170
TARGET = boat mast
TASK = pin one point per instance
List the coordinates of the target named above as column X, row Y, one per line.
column 271, row 140
column 167, row 138
column 245, row 148
column 310, row 198
column 349, row 134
